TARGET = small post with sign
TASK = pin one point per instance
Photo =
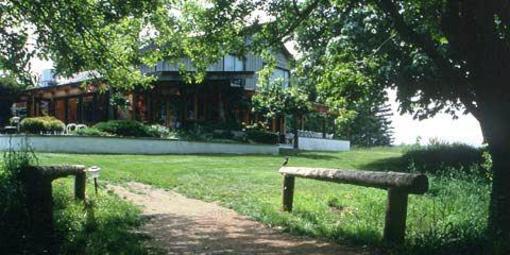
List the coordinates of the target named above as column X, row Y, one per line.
column 94, row 173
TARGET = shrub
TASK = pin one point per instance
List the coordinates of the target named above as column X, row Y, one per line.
column 194, row 133
column 32, row 125
column 159, row 131
column 223, row 134
column 91, row 131
column 14, row 224
column 127, row 128
column 258, row 136
column 39, row 125
column 437, row 156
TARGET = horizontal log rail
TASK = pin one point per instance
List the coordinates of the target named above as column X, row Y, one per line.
column 399, row 186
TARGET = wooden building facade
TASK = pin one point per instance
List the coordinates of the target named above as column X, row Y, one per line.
column 223, row 97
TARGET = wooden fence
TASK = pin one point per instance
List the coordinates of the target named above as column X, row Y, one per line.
column 399, row 186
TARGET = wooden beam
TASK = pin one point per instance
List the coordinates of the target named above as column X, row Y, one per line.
column 410, row 183
column 399, row 185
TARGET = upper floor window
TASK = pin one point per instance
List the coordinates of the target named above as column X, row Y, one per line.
column 233, row 63
column 282, row 75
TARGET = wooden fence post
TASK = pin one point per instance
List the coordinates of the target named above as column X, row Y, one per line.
column 80, row 182
column 288, row 192
column 396, row 213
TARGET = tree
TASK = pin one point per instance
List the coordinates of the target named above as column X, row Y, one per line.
column 273, row 100
column 114, row 38
column 369, row 126
column 10, row 89
column 349, row 91
column 441, row 56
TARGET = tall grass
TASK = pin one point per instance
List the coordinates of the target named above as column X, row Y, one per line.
column 13, row 212
column 104, row 225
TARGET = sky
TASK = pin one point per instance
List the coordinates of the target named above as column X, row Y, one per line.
column 465, row 129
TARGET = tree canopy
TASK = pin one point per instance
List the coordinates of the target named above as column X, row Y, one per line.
column 10, row 88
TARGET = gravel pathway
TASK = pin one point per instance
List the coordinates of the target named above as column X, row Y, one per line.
column 181, row 225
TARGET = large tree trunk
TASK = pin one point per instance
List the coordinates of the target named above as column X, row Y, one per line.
column 496, row 129
column 494, row 119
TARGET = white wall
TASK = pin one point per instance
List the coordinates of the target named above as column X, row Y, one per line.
column 112, row 145
column 319, row 144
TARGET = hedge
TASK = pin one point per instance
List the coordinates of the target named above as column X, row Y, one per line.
column 258, row 136
column 41, row 125
column 126, row 128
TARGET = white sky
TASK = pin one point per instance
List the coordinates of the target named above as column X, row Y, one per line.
column 465, row 129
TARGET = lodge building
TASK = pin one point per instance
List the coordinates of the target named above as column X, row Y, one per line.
column 221, row 98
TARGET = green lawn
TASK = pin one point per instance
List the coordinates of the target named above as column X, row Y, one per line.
column 449, row 217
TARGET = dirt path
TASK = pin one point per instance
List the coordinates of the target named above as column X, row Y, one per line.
column 180, row 225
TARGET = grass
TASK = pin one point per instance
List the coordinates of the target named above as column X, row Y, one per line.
column 106, row 225
column 449, row 219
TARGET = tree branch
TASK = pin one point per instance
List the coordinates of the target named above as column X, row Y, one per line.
column 426, row 43
column 407, row 33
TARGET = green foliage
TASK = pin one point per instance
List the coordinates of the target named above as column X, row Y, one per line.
column 114, row 38
column 257, row 136
column 274, row 100
column 126, row 128
column 159, row 131
column 224, row 134
column 440, row 156
column 370, row 126
column 354, row 96
column 10, row 89
column 119, row 100
column 257, row 133
column 103, row 226
column 42, row 125
column 13, row 212
column 90, row 131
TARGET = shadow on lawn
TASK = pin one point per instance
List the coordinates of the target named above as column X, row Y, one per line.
column 395, row 164
column 308, row 155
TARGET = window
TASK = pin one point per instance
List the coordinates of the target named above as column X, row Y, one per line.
column 282, row 75
column 44, row 108
column 233, row 63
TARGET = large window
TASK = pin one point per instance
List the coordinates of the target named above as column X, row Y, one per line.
column 281, row 75
column 233, row 63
